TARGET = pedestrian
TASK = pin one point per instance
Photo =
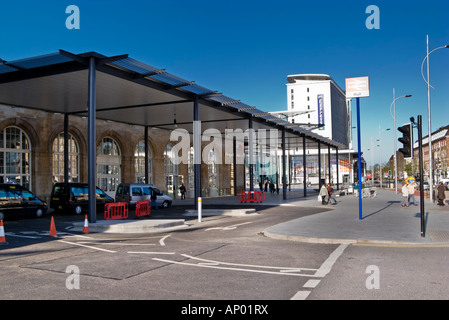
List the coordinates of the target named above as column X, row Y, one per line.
column 441, row 195
column 182, row 188
column 411, row 192
column 153, row 198
column 404, row 195
column 266, row 185
column 329, row 191
column 271, row 187
column 324, row 194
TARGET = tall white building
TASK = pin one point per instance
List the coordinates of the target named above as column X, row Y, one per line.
column 317, row 103
column 324, row 103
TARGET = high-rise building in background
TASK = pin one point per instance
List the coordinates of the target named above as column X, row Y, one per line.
column 317, row 103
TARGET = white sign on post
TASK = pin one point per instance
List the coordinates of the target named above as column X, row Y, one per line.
column 357, row 87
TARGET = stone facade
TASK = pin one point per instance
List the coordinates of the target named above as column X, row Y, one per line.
column 42, row 128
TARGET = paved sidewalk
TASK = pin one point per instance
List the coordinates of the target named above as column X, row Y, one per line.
column 383, row 221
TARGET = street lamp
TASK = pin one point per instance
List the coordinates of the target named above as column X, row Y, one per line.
column 428, row 110
column 393, row 105
column 380, row 146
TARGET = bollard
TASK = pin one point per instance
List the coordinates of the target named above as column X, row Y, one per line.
column 199, row 209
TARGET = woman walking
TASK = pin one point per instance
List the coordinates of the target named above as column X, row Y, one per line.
column 324, row 194
column 441, row 195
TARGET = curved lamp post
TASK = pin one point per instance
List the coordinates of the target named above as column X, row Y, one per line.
column 428, row 109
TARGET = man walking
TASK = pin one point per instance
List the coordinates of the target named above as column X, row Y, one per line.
column 329, row 191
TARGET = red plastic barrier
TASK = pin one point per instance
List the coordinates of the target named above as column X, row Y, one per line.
column 143, row 208
column 251, row 196
column 116, row 210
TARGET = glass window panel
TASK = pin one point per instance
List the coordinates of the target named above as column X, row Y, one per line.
column 58, row 157
column 15, row 165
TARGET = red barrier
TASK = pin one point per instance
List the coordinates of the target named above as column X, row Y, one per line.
column 116, row 210
column 251, row 196
column 143, row 208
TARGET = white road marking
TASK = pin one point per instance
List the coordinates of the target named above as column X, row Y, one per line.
column 321, row 273
column 90, row 247
column 281, row 269
column 216, row 265
column 327, row 265
column 312, row 283
column 117, row 243
column 9, row 234
column 300, row 295
column 227, row 228
column 146, row 252
column 161, row 242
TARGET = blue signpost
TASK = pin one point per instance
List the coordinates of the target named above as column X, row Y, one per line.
column 359, row 163
column 358, row 88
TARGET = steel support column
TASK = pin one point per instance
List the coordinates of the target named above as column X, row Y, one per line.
column 338, row 173
column 197, row 150
column 251, row 153
column 147, row 171
column 319, row 165
column 66, row 147
column 91, row 146
column 329, row 162
column 304, row 149
column 284, row 172
column 234, row 161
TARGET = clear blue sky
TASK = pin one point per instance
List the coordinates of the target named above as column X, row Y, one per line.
column 245, row 49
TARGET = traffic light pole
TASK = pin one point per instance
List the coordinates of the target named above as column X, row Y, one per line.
column 421, row 175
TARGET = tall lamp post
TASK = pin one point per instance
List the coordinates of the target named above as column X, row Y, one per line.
column 428, row 110
column 393, row 105
column 380, row 146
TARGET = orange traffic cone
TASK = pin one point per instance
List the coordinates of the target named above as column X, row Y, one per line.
column 86, row 225
column 2, row 233
column 52, row 228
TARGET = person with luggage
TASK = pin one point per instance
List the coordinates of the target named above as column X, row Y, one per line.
column 324, row 194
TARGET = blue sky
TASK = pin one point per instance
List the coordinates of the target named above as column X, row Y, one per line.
column 245, row 49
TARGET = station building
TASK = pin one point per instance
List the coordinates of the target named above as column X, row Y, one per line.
column 106, row 120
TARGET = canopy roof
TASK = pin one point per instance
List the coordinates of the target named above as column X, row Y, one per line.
column 132, row 92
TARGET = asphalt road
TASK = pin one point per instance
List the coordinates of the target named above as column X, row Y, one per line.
column 223, row 259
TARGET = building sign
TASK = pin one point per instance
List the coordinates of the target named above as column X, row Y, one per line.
column 357, row 87
column 320, row 112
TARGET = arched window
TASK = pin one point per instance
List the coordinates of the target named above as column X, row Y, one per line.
column 58, row 159
column 139, row 156
column 15, row 157
column 108, row 165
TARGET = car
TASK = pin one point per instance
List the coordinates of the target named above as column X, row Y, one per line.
column 73, row 197
column 133, row 192
column 17, row 200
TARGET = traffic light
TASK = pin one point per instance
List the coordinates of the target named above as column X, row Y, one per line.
column 406, row 140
